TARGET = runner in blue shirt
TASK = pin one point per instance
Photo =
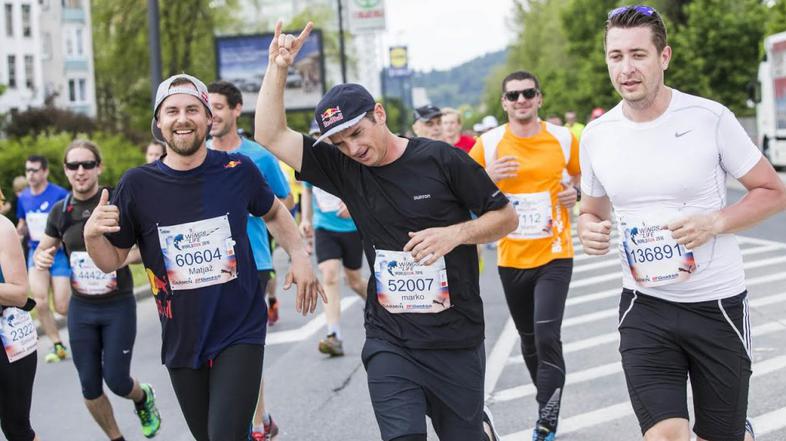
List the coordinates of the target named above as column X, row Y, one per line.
column 34, row 204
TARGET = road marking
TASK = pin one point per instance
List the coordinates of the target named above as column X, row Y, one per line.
column 624, row 409
column 495, row 363
column 613, row 336
column 307, row 330
column 605, row 370
column 770, row 422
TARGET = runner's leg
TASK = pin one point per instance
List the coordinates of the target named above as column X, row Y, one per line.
column 16, row 395
column 192, row 390
column 233, row 391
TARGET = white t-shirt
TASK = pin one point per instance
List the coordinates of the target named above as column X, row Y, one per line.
column 671, row 167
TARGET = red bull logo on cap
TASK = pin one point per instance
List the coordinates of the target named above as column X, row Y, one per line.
column 331, row 115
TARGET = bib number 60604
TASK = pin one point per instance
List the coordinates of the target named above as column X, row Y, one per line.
column 197, row 257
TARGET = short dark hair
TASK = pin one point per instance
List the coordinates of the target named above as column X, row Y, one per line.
column 632, row 17
column 229, row 90
column 520, row 75
column 83, row 144
column 39, row 159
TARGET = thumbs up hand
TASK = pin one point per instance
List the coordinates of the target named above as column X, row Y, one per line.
column 44, row 258
column 104, row 219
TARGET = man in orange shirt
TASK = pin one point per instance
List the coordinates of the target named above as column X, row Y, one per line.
column 536, row 164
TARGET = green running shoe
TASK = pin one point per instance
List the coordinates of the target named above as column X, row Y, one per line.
column 148, row 413
column 59, row 352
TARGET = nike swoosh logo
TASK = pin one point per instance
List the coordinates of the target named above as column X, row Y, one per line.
column 678, row 134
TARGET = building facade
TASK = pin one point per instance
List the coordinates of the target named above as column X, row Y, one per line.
column 46, row 55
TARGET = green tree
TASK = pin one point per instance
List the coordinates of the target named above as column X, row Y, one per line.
column 122, row 57
column 717, row 51
column 776, row 18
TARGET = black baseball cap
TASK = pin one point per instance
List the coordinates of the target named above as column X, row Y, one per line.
column 427, row 112
column 342, row 107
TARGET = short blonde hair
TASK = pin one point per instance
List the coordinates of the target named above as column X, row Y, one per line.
column 452, row 111
column 19, row 184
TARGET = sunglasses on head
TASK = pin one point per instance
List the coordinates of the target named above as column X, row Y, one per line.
column 513, row 95
column 87, row 165
column 641, row 9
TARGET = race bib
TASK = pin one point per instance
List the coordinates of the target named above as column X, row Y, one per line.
column 198, row 254
column 534, row 211
column 654, row 257
column 326, row 201
column 17, row 331
column 87, row 279
column 404, row 285
column 36, row 225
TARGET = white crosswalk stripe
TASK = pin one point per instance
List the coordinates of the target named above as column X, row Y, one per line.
column 595, row 285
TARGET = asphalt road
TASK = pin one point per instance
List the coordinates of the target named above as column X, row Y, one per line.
column 316, row 398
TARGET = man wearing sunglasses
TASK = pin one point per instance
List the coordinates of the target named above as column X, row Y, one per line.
column 535, row 163
column 34, row 204
column 660, row 159
column 102, row 311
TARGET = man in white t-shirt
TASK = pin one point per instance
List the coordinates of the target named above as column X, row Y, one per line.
column 660, row 160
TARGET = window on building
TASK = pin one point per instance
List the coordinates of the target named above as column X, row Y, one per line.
column 82, row 83
column 79, row 46
column 69, row 44
column 72, row 91
column 27, row 21
column 29, row 72
column 9, row 19
column 12, row 71
column 71, row 3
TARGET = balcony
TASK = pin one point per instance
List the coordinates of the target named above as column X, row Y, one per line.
column 75, row 65
column 73, row 15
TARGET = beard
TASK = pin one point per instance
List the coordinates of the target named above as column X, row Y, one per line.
column 184, row 147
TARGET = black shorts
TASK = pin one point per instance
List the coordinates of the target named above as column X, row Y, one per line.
column 345, row 246
column 407, row 384
column 663, row 343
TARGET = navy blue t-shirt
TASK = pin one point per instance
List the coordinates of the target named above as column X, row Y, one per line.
column 204, row 281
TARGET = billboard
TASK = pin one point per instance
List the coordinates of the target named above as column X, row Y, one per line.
column 242, row 60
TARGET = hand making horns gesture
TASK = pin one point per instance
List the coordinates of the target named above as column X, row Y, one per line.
column 285, row 47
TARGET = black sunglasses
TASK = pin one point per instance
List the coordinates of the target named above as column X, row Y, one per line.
column 87, row 165
column 32, row 170
column 513, row 95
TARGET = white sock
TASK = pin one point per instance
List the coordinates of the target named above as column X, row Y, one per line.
column 334, row 329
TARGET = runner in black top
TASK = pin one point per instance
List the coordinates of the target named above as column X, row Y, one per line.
column 102, row 310
column 411, row 200
column 188, row 214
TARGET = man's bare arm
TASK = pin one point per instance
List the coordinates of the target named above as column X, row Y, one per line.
column 270, row 122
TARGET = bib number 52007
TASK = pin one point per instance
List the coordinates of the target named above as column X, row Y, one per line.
column 405, row 286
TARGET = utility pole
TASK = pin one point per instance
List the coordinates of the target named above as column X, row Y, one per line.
column 341, row 50
column 155, row 46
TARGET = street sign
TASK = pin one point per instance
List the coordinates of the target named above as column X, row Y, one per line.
column 366, row 15
column 399, row 61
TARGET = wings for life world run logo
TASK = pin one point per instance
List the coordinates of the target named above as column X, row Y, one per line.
column 331, row 115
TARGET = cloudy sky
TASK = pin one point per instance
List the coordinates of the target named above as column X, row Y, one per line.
column 444, row 33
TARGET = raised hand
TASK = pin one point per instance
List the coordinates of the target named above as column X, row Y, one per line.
column 104, row 219
column 285, row 47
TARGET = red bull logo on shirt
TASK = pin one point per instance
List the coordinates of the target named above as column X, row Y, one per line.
column 331, row 115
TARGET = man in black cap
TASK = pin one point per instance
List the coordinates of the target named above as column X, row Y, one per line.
column 411, row 200
column 428, row 122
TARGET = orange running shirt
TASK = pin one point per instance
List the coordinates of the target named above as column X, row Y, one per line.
column 542, row 165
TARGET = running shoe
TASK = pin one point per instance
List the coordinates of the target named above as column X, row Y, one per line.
column 331, row 345
column 488, row 420
column 272, row 311
column 270, row 430
column 58, row 353
column 749, row 429
column 542, row 433
column 148, row 412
